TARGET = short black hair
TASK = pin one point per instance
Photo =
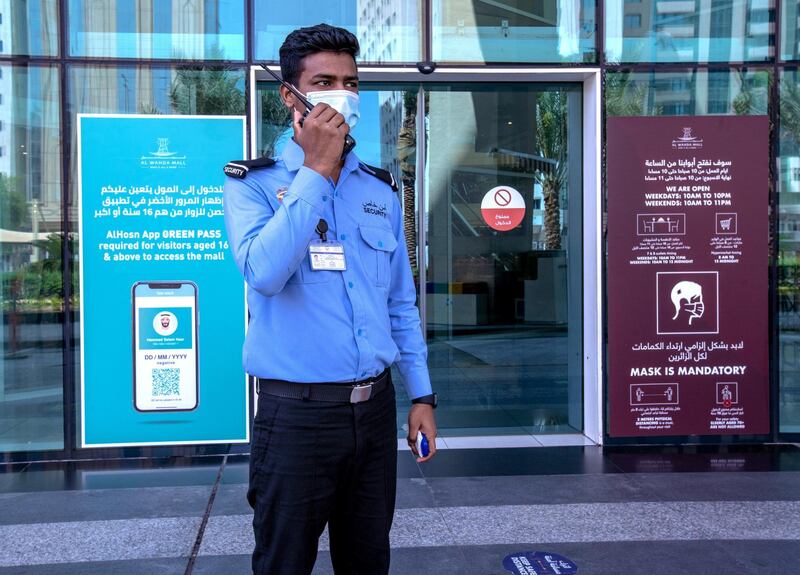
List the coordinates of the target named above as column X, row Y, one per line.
column 306, row 41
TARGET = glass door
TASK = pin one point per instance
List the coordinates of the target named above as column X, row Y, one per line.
column 503, row 298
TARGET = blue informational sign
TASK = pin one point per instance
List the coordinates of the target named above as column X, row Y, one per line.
column 162, row 303
column 539, row 563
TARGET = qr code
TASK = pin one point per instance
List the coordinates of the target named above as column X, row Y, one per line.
column 166, row 381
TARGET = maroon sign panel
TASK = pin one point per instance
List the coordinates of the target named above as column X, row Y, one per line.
column 687, row 275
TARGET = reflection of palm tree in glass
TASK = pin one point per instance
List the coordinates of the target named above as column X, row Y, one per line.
column 276, row 120
column 790, row 110
column 551, row 141
column 753, row 94
column 14, row 208
column 406, row 154
column 207, row 91
column 196, row 90
column 624, row 96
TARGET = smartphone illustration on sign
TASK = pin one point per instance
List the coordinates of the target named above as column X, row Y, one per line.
column 165, row 362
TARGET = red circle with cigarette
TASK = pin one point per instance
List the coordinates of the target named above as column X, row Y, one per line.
column 503, row 208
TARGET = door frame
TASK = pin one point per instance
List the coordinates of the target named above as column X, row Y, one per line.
column 590, row 78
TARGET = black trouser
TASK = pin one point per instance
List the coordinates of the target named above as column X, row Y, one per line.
column 312, row 463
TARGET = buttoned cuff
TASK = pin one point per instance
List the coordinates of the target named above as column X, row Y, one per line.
column 418, row 383
column 310, row 186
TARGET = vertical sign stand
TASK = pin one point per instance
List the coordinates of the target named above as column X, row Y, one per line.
column 687, row 281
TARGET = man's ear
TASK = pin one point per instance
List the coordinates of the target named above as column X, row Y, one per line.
column 287, row 97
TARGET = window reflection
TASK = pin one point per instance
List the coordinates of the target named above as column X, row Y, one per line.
column 789, row 254
column 29, row 28
column 513, row 31
column 695, row 92
column 387, row 30
column 790, row 30
column 31, row 240
column 157, row 29
column 689, row 31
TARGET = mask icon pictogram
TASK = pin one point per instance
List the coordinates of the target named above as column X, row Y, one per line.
column 688, row 296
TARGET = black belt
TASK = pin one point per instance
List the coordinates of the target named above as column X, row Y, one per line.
column 355, row 392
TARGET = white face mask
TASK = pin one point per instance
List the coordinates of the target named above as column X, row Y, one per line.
column 343, row 101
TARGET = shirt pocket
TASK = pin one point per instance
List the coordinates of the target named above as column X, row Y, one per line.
column 376, row 250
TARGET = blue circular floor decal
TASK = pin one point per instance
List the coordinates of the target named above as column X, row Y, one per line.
column 539, row 563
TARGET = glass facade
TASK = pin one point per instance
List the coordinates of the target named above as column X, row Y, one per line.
column 689, row 31
column 157, row 29
column 788, row 275
column 29, row 28
column 790, row 30
column 32, row 241
column 687, row 93
column 388, row 30
column 482, row 31
column 501, row 363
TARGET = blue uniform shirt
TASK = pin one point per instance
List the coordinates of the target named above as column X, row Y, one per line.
column 317, row 326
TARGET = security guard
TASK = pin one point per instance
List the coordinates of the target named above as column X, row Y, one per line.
column 319, row 239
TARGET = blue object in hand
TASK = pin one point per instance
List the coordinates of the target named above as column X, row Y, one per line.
column 423, row 449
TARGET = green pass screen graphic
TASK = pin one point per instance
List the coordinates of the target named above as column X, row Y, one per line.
column 165, row 361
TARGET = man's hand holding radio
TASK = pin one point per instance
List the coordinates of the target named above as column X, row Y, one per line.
column 322, row 138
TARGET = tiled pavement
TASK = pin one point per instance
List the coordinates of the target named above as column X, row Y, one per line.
column 709, row 510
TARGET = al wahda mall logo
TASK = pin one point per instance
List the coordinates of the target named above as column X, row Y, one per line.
column 687, row 141
column 162, row 158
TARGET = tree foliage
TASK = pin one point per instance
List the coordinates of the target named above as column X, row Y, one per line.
column 207, row 91
column 623, row 95
column 14, row 211
column 753, row 94
column 42, row 280
column 406, row 153
column 276, row 118
column 551, row 142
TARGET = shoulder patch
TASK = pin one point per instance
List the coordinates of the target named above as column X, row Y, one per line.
column 240, row 168
column 383, row 175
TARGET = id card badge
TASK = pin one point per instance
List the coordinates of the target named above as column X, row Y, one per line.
column 327, row 256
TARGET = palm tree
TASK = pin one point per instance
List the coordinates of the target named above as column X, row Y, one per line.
column 207, row 91
column 42, row 281
column 276, row 118
column 753, row 93
column 551, row 142
column 623, row 95
column 14, row 210
column 790, row 110
column 406, row 154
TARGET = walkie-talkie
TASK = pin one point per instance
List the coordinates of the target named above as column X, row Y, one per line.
column 349, row 142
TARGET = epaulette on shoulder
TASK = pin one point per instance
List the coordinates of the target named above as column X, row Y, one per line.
column 384, row 175
column 240, row 168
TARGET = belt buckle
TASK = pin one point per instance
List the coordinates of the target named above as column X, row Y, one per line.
column 361, row 393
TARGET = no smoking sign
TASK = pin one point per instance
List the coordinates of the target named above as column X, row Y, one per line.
column 503, row 208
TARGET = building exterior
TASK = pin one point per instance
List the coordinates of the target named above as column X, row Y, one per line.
column 520, row 96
